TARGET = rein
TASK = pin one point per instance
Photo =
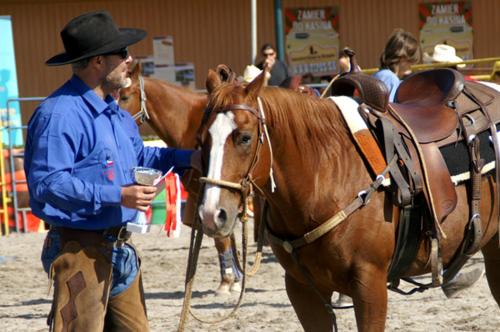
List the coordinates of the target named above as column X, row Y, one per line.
column 143, row 114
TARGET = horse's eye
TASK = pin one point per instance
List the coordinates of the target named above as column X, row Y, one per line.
column 245, row 139
column 123, row 98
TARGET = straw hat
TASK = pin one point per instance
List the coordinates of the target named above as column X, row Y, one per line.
column 446, row 53
column 250, row 73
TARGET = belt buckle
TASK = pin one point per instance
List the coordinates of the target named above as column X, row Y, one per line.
column 122, row 236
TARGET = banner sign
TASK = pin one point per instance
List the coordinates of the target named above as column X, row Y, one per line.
column 447, row 23
column 312, row 40
column 8, row 85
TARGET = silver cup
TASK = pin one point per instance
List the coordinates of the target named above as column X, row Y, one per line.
column 146, row 176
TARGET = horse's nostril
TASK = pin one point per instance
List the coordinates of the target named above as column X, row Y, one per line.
column 222, row 216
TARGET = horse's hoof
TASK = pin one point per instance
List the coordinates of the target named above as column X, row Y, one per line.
column 224, row 289
column 461, row 281
column 236, row 287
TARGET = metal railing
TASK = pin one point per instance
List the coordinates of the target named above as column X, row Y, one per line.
column 15, row 182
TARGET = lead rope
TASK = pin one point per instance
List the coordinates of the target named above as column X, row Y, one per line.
column 194, row 250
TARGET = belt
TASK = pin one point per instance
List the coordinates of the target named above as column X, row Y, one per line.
column 114, row 235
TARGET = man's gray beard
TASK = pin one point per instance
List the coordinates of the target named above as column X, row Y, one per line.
column 117, row 85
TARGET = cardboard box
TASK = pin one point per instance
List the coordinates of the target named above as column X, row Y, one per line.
column 163, row 50
column 182, row 74
column 164, row 73
column 185, row 75
column 147, row 65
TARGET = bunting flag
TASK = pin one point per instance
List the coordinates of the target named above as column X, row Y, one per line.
column 173, row 199
column 149, row 214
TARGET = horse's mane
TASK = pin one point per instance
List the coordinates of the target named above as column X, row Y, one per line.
column 314, row 124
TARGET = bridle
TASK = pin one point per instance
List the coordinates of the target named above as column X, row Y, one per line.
column 143, row 114
column 247, row 183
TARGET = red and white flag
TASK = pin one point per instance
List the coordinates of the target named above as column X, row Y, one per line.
column 173, row 202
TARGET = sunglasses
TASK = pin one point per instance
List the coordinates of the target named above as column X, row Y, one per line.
column 268, row 54
column 122, row 53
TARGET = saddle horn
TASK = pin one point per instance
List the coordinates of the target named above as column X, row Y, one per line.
column 352, row 60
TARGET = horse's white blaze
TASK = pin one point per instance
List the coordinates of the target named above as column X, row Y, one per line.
column 221, row 128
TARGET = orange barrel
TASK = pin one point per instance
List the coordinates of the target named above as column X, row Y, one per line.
column 21, row 191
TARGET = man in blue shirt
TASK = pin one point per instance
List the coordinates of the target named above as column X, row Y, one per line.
column 80, row 152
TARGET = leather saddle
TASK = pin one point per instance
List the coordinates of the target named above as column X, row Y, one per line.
column 428, row 112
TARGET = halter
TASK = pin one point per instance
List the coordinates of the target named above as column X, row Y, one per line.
column 245, row 185
column 143, row 114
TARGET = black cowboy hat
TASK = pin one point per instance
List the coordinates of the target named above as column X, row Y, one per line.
column 93, row 34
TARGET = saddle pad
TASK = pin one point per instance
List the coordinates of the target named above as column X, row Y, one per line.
column 456, row 156
column 362, row 136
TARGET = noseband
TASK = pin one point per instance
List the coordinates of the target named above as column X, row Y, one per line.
column 143, row 114
column 245, row 186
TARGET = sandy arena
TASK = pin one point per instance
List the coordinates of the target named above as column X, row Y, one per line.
column 24, row 302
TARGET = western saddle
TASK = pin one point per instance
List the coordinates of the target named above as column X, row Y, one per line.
column 432, row 109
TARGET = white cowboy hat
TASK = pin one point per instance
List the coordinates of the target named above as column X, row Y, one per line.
column 250, row 73
column 446, row 53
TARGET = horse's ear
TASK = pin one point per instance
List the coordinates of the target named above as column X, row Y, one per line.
column 226, row 74
column 253, row 88
column 213, row 81
column 135, row 69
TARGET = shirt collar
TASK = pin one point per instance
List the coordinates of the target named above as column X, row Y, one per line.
column 89, row 95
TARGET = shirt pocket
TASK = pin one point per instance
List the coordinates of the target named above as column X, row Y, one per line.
column 99, row 167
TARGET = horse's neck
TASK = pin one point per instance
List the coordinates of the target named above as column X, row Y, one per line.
column 315, row 188
column 176, row 114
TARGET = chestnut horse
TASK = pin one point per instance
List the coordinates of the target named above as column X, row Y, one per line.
column 299, row 153
column 175, row 114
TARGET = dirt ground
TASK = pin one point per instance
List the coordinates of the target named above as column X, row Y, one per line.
column 24, row 301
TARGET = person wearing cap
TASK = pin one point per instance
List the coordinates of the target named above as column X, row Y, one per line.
column 250, row 73
column 445, row 54
column 80, row 152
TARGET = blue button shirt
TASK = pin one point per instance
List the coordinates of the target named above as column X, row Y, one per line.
column 80, row 151
column 391, row 81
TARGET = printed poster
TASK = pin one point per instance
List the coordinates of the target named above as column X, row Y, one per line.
column 8, row 86
column 312, row 40
column 447, row 23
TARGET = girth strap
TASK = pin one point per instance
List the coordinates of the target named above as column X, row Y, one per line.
column 361, row 199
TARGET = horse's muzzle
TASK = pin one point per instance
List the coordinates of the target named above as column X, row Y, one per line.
column 219, row 222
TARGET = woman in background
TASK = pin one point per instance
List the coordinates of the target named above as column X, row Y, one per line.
column 401, row 52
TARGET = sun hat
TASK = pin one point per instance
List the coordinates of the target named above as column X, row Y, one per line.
column 93, row 34
column 250, row 73
column 446, row 53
